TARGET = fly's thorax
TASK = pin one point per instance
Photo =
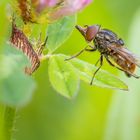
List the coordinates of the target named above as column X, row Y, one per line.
column 100, row 42
column 105, row 38
column 111, row 37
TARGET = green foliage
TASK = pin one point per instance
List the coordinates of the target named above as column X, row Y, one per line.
column 52, row 117
column 63, row 76
column 16, row 87
column 102, row 78
column 59, row 32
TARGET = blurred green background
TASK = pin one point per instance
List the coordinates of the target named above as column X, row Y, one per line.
column 96, row 113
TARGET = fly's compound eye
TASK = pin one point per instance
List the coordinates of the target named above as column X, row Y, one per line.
column 91, row 32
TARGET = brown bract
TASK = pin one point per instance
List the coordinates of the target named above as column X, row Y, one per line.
column 21, row 42
column 26, row 11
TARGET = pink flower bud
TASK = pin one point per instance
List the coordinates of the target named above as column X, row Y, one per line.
column 48, row 3
column 70, row 7
column 40, row 5
column 60, row 8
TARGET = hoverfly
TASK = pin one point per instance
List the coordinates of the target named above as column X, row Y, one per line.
column 111, row 47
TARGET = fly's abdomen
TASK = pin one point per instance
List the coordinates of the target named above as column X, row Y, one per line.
column 124, row 64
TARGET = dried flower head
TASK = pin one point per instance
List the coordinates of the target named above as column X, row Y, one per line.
column 21, row 42
column 26, row 11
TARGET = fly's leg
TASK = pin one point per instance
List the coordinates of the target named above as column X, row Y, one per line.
column 101, row 63
column 97, row 62
column 85, row 49
column 127, row 72
column 77, row 54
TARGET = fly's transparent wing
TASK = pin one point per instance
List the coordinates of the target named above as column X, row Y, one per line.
column 126, row 54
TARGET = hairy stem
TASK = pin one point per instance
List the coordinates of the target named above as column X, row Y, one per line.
column 8, row 125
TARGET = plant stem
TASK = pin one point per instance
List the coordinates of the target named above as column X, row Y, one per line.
column 44, row 57
column 8, row 125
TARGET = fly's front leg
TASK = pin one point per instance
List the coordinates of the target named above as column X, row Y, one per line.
column 92, row 48
column 85, row 49
column 101, row 63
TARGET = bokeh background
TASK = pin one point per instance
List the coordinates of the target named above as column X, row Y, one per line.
column 96, row 113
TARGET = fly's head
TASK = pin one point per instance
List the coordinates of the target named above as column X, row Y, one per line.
column 89, row 32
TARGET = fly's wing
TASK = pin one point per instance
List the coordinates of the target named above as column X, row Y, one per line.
column 126, row 60
column 125, row 54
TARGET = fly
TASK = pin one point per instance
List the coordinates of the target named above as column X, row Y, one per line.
column 111, row 47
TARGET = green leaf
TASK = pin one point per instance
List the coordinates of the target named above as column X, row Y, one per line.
column 102, row 78
column 16, row 88
column 63, row 76
column 59, row 32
